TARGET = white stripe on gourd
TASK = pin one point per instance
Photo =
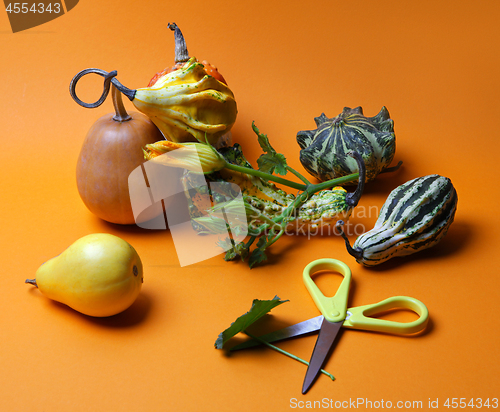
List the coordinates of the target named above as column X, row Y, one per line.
column 415, row 216
column 325, row 150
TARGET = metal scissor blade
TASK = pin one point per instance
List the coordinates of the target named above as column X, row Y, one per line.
column 327, row 334
column 299, row 329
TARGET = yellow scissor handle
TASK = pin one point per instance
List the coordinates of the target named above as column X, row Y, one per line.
column 359, row 317
column 334, row 309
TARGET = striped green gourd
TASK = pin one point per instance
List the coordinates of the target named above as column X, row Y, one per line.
column 325, row 150
column 415, row 216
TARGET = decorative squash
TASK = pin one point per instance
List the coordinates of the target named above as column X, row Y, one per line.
column 415, row 216
column 189, row 102
column 188, row 105
column 111, row 151
column 321, row 211
column 325, row 150
column 264, row 201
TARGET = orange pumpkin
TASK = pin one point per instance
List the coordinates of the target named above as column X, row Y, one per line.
column 111, row 151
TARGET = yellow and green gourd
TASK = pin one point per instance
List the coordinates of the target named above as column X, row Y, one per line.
column 264, row 200
column 188, row 104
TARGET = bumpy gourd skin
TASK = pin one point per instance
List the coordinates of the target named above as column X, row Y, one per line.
column 189, row 105
column 325, row 150
column 98, row 275
column 262, row 199
column 323, row 209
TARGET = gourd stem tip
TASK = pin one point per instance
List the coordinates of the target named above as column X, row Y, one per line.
column 31, row 282
column 353, row 198
column 356, row 253
column 181, row 52
column 393, row 168
column 125, row 90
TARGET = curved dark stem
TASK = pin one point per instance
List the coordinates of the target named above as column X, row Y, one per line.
column 352, row 199
column 31, row 282
column 121, row 114
column 356, row 253
column 181, row 52
column 108, row 79
column 125, row 90
column 392, row 169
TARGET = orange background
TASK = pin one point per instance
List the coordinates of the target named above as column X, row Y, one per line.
column 434, row 65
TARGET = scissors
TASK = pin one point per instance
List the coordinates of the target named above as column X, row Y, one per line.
column 335, row 314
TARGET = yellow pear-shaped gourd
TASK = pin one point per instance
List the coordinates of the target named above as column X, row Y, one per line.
column 98, row 275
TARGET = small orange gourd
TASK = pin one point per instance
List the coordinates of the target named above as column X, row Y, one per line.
column 111, row 151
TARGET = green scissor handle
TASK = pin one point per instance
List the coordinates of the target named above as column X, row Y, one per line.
column 359, row 317
column 334, row 309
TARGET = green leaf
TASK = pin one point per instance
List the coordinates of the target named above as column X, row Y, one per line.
column 259, row 308
column 242, row 250
column 263, row 140
column 262, row 241
column 230, row 255
column 233, row 250
column 227, row 244
column 257, row 256
column 270, row 163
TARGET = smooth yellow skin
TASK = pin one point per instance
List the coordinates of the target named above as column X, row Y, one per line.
column 188, row 105
column 98, row 275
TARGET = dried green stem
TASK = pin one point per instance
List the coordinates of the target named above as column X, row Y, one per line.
column 266, row 176
column 296, row 173
column 284, row 352
column 275, row 238
column 353, row 198
column 335, row 182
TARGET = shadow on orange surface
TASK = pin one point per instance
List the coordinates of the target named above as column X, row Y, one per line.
column 130, row 317
column 128, row 229
column 459, row 237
